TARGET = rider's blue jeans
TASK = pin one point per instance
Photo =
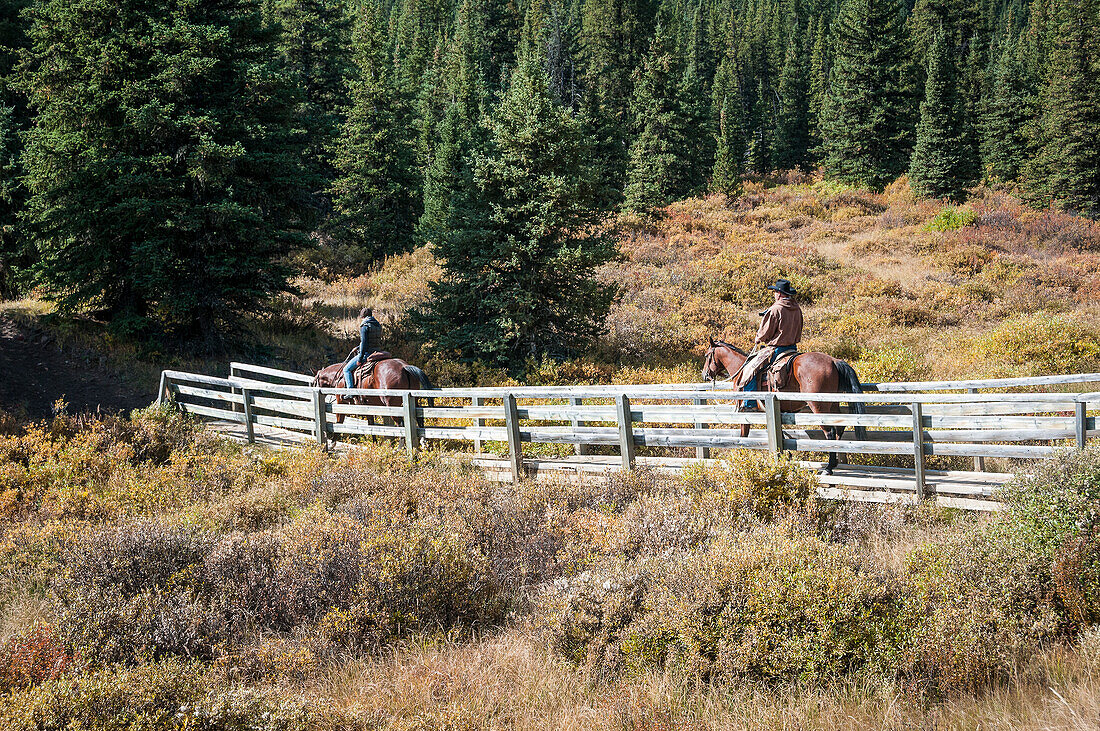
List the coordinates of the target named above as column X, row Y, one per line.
column 754, row 384
column 349, row 369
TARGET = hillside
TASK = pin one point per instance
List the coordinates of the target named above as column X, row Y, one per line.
column 903, row 288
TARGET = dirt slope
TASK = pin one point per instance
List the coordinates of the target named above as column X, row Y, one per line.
column 34, row 373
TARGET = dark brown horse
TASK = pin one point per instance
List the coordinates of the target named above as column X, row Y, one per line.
column 810, row 373
column 391, row 373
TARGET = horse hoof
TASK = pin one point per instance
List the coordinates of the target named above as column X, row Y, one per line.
column 826, row 471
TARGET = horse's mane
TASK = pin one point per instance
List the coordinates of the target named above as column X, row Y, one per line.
column 734, row 348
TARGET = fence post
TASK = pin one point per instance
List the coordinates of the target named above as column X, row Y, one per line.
column 163, row 387
column 319, row 417
column 408, row 402
column 1080, row 424
column 249, row 428
column 979, row 462
column 918, row 448
column 626, row 431
column 773, row 423
column 515, row 447
column 701, row 452
column 579, row 449
column 478, row 422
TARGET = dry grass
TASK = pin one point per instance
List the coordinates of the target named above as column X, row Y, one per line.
column 510, row 682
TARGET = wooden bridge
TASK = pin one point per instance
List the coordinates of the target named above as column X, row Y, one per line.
column 912, row 427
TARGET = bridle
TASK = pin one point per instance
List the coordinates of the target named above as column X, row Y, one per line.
column 711, row 362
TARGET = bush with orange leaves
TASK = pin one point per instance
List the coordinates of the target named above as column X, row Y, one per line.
column 32, row 657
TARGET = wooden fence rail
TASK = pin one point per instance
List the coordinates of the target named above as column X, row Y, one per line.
column 669, row 421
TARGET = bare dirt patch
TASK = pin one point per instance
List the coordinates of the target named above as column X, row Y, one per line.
column 35, row 373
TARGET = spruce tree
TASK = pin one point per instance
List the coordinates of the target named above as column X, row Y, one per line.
column 941, row 163
column 314, row 44
column 1068, row 166
column 1007, row 117
column 865, row 122
column 16, row 255
column 693, row 96
column 792, row 133
column 730, row 148
column 374, row 196
column 418, row 27
column 11, row 253
column 520, row 256
column 459, row 134
column 657, row 167
column 820, row 62
column 166, row 186
column 612, row 43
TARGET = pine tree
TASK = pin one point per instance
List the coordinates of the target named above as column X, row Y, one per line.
column 865, row 124
column 520, row 257
column 941, row 163
column 1006, row 138
column 166, row 187
column 1068, row 166
column 374, row 196
column 792, row 133
column 656, row 173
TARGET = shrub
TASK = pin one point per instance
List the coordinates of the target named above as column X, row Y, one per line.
column 760, row 484
column 763, row 604
column 1054, row 512
column 891, row 363
column 418, row 577
column 31, row 657
column 978, row 607
column 168, row 694
column 1040, row 344
column 951, row 218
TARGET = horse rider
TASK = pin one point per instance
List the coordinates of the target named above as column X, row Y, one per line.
column 779, row 333
column 370, row 335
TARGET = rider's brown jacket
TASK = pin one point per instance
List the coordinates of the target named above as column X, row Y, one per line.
column 782, row 324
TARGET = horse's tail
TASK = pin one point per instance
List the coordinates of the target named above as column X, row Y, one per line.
column 849, row 383
column 422, row 378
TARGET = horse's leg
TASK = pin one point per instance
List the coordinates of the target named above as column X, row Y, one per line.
column 831, row 432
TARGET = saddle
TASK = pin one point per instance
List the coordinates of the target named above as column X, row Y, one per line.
column 365, row 369
column 779, row 373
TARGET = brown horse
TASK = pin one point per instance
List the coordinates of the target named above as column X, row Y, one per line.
column 391, row 373
column 810, row 373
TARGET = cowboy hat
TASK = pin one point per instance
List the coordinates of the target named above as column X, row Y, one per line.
column 783, row 287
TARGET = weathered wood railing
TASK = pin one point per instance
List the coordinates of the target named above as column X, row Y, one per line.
column 691, row 418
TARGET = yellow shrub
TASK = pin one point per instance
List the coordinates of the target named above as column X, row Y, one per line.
column 887, row 364
column 1039, row 344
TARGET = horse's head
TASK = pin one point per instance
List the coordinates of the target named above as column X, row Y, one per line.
column 327, row 376
column 721, row 356
column 710, row 363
